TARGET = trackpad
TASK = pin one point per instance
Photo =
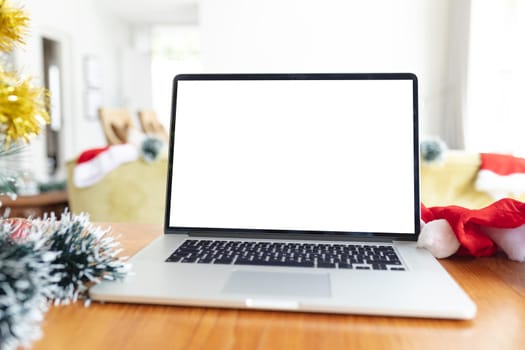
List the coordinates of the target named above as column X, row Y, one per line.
column 291, row 284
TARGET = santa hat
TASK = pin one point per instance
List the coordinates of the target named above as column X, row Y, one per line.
column 93, row 164
column 475, row 232
column 501, row 175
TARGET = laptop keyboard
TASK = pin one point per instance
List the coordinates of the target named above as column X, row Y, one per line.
column 342, row 256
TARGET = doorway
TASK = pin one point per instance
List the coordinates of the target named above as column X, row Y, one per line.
column 52, row 66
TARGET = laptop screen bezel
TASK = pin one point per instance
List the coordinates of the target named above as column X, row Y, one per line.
column 296, row 234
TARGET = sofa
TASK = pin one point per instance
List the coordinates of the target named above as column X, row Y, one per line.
column 452, row 182
column 135, row 191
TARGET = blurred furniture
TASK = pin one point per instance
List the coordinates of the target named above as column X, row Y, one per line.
column 451, row 182
column 35, row 206
column 151, row 125
column 116, row 123
column 495, row 284
column 133, row 192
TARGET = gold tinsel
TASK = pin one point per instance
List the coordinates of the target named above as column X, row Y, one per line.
column 13, row 24
column 23, row 108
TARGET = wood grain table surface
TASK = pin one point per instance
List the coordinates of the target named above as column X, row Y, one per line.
column 496, row 284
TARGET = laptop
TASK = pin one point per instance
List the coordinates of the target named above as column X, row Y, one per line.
column 296, row 192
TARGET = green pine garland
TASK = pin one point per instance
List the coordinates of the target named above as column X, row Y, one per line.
column 9, row 163
column 26, row 284
column 87, row 254
column 49, row 260
column 151, row 148
column 432, row 150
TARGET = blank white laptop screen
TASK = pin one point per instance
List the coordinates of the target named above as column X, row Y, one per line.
column 315, row 155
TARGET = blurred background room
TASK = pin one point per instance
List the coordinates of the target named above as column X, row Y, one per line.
column 122, row 55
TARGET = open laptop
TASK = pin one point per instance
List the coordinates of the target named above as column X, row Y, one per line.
column 294, row 192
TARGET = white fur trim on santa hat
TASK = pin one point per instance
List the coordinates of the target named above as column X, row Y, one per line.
column 438, row 237
column 92, row 171
column 500, row 186
column 510, row 240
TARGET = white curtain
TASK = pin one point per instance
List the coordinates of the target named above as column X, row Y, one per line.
column 452, row 128
column 495, row 103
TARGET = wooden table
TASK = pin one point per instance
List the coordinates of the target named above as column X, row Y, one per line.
column 35, row 205
column 496, row 285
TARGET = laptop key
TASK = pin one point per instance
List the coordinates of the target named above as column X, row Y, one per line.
column 175, row 258
column 325, row 264
column 224, row 261
column 190, row 259
column 394, row 262
column 344, row 265
column 379, row 267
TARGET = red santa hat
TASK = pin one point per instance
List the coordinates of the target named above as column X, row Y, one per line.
column 501, row 175
column 475, row 232
column 93, row 164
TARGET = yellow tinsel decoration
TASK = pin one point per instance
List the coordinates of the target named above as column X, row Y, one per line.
column 13, row 24
column 23, row 108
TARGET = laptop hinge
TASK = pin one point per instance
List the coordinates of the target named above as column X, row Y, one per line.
column 287, row 236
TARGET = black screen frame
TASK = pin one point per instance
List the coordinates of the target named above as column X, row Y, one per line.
column 296, row 234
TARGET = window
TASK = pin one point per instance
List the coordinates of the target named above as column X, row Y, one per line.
column 175, row 50
column 495, row 105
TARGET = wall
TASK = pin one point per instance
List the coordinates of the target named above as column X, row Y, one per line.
column 82, row 29
column 333, row 36
column 421, row 36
